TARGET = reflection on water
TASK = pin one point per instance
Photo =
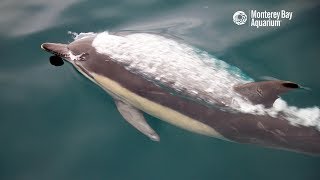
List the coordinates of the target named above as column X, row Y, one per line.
column 31, row 16
column 57, row 125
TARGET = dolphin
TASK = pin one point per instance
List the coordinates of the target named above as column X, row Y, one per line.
column 162, row 89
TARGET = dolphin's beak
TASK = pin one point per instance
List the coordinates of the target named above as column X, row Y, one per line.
column 57, row 49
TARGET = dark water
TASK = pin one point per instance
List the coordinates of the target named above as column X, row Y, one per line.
column 55, row 124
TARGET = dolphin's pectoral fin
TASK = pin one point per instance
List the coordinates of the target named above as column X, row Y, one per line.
column 265, row 92
column 136, row 119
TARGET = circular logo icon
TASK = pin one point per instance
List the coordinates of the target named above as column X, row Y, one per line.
column 239, row 18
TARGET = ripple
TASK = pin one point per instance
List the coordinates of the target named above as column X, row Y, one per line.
column 31, row 16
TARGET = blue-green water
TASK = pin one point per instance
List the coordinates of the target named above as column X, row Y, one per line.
column 55, row 124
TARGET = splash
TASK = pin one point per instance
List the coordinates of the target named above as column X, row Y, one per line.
column 77, row 36
column 192, row 72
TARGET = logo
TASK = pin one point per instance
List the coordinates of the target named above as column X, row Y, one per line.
column 239, row 18
column 264, row 18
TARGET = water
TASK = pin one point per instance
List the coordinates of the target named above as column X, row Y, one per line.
column 55, row 124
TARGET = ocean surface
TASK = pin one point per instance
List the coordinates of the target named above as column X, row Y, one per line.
column 56, row 124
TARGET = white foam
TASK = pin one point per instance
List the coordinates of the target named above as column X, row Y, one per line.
column 77, row 36
column 74, row 57
column 188, row 69
column 309, row 116
column 192, row 72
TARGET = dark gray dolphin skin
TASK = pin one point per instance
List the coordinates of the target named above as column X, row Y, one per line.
column 133, row 94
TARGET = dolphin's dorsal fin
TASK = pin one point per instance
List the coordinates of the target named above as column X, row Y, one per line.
column 265, row 92
column 136, row 119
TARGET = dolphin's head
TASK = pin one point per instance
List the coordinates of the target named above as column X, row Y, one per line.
column 76, row 50
column 57, row 49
